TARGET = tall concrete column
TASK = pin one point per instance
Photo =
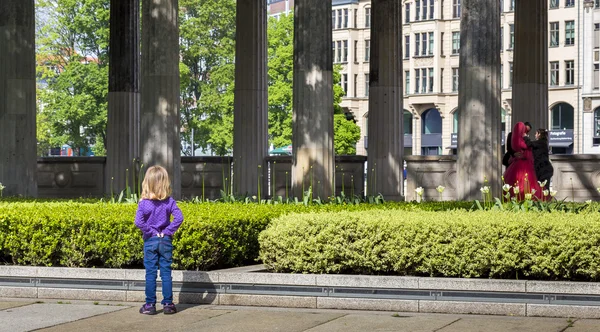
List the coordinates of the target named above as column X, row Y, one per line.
column 250, row 116
column 479, row 141
column 386, row 139
column 17, row 98
column 587, row 54
column 312, row 140
column 530, row 75
column 159, row 136
column 123, row 130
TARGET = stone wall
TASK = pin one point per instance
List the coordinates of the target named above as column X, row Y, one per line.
column 576, row 177
column 71, row 177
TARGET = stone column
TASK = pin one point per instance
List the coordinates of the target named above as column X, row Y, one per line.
column 386, row 139
column 159, row 136
column 18, row 146
column 123, row 129
column 250, row 125
column 530, row 71
column 587, row 56
column 479, row 141
column 312, row 140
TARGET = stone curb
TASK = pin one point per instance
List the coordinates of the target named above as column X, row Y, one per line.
column 255, row 275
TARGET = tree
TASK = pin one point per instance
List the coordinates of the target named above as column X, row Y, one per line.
column 281, row 65
column 72, row 55
column 207, row 46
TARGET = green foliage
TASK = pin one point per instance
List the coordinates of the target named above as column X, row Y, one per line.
column 72, row 55
column 486, row 244
column 88, row 233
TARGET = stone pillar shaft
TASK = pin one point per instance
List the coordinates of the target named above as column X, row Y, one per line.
column 479, row 141
column 18, row 147
column 123, row 129
column 159, row 138
column 250, row 125
column 312, row 141
column 530, row 80
column 386, row 140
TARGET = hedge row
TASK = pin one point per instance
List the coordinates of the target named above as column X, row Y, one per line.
column 488, row 244
column 84, row 234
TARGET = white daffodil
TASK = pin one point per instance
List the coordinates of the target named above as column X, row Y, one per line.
column 542, row 184
column 596, row 188
column 419, row 191
column 506, row 187
column 528, row 196
column 254, row 197
column 516, row 190
column 533, row 191
column 440, row 189
column 589, row 201
column 553, row 193
column 546, row 192
column 1, row 189
column 485, row 189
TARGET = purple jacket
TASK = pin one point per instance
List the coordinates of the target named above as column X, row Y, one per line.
column 154, row 216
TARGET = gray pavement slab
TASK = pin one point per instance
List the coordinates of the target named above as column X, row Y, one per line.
column 131, row 320
column 583, row 325
column 387, row 322
column 40, row 315
column 10, row 305
column 506, row 324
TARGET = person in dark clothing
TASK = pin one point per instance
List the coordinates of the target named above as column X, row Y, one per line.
column 510, row 153
column 541, row 159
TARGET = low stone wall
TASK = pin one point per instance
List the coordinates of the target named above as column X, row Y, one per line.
column 72, row 177
column 576, row 177
column 252, row 286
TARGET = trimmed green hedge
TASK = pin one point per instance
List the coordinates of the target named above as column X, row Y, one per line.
column 84, row 234
column 488, row 244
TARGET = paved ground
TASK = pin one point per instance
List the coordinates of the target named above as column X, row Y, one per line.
column 67, row 316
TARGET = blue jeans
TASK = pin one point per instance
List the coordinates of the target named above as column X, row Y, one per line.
column 158, row 254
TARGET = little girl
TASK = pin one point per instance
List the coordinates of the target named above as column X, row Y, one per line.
column 153, row 218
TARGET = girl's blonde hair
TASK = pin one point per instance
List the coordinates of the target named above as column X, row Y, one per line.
column 156, row 184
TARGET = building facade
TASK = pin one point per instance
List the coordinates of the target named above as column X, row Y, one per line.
column 431, row 44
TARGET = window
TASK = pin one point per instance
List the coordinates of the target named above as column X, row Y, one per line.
column 512, row 5
column 510, row 75
column 554, row 73
column 368, row 17
column 501, row 76
column 501, row 6
column 554, row 34
column 424, row 16
column 345, row 58
column 442, row 44
column 597, row 35
column 345, row 18
column 333, row 18
column 511, row 44
column 417, row 10
column 454, row 79
column 367, row 50
column 597, row 126
column 339, row 19
column 569, row 3
column 456, row 9
column 430, row 80
column 596, row 77
column 501, row 39
column 423, row 80
column 339, row 51
column 569, row 32
column 333, row 50
column 366, row 85
column 553, row 3
column 431, row 9
column 430, row 51
column 441, row 80
column 355, row 85
column 562, row 117
column 424, row 43
column 442, row 9
column 356, row 18
column 407, row 46
column 417, row 43
column 569, row 72
column 417, row 79
column 356, row 51
column 455, row 42
column 406, row 82
column 407, row 13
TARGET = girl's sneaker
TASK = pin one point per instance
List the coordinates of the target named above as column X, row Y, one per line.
column 148, row 309
column 169, row 309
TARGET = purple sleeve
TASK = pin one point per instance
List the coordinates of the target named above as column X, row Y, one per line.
column 141, row 218
column 177, row 219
